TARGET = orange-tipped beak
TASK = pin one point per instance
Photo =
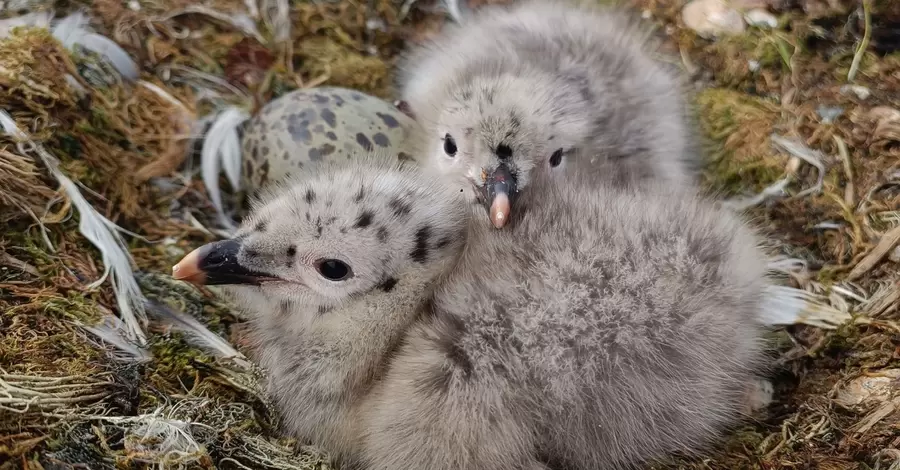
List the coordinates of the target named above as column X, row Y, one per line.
column 500, row 191
column 188, row 269
column 216, row 264
column 500, row 210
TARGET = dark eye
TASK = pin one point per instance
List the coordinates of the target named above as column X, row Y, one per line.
column 333, row 269
column 556, row 158
column 503, row 151
column 449, row 145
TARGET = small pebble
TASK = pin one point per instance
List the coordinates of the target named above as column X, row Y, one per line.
column 761, row 18
column 861, row 92
column 712, row 18
column 894, row 255
column 829, row 113
column 753, row 65
column 868, row 390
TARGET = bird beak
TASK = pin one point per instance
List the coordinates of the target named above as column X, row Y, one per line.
column 500, row 191
column 216, row 264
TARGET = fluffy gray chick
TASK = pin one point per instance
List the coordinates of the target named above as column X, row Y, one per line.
column 332, row 269
column 604, row 327
column 601, row 329
column 521, row 89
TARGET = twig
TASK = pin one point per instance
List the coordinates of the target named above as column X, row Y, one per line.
column 884, row 246
column 864, row 43
column 849, row 193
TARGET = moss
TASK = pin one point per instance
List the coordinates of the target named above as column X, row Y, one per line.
column 737, row 127
column 343, row 66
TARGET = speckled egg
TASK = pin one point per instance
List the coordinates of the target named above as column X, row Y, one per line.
column 313, row 125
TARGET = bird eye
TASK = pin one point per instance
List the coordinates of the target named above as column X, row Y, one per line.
column 556, row 158
column 503, row 151
column 449, row 145
column 333, row 269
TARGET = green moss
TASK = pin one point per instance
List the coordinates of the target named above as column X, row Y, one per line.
column 737, row 128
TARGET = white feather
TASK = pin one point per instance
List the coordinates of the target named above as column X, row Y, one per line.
column 457, row 9
column 101, row 232
column 252, row 9
column 39, row 19
column 165, row 95
column 161, row 438
column 798, row 149
column 197, row 334
column 111, row 331
column 789, row 306
column 74, row 30
column 276, row 15
column 222, row 148
column 240, row 21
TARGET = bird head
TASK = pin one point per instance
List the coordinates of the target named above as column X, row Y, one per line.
column 335, row 235
column 497, row 133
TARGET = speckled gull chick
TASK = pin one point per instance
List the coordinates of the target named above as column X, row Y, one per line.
column 603, row 328
column 521, row 89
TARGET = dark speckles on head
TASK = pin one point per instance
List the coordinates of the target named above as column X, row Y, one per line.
column 329, row 117
column 381, row 139
column 324, row 309
column 388, row 120
column 261, row 226
column 382, row 234
column 360, row 194
column 357, row 97
column 285, row 307
column 419, row 253
column 363, row 141
column 444, row 242
column 292, row 251
column 404, row 157
column 514, row 120
column 310, row 196
column 331, row 135
column 364, row 219
column 388, row 284
column 320, row 99
column 400, row 207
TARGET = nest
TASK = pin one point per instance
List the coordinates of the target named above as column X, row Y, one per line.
column 812, row 155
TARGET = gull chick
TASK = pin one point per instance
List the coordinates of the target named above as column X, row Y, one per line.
column 517, row 90
column 332, row 269
column 605, row 327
